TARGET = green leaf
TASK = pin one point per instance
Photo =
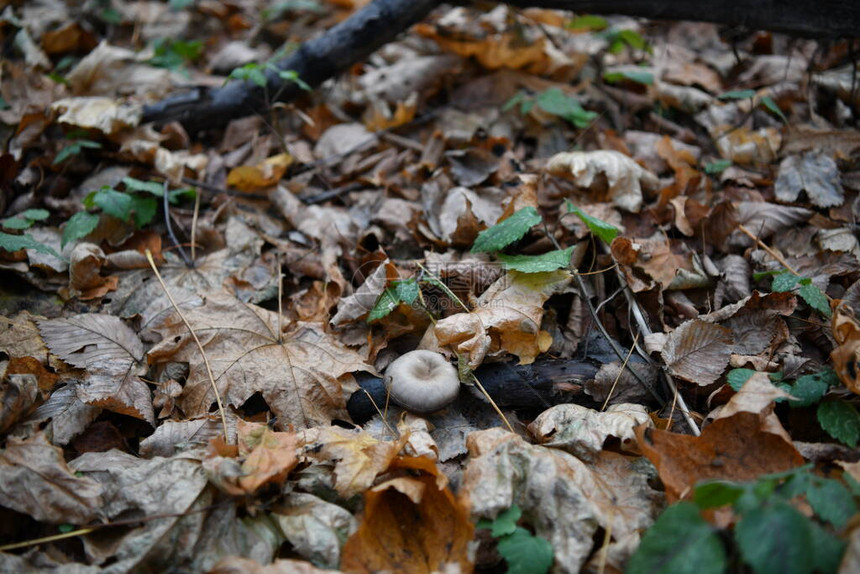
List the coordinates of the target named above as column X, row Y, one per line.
column 153, row 187
column 831, row 501
column 776, row 539
column 588, row 22
column 12, row 243
column 718, row 166
column 827, row 550
column 79, row 225
column 525, row 554
column 841, row 421
column 810, row 388
column 644, row 77
column 505, row 523
column 17, row 223
column 558, row 259
column 249, row 72
column 506, row 232
column 605, row 231
column 406, row 290
column 679, row 542
column 510, row 104
column 113, row 202
column 618, row 39
column 176, row 195
column 815, row 299
column 386, row 303
column 737, row 95
column 783, row 282
column 556, row 102
column 771, row 106
column 293, row 76
column 738, row 377
column 35, row 214
column 717, row 493
column 143, row 209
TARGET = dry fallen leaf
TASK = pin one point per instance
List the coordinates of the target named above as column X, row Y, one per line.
column 698, row 351
column 411, row 523
column 846, row 356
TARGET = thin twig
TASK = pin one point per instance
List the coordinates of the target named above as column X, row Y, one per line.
column 779, row 258
column 492, row 402
column 194, row 226
column 188, row 262
column 618, row 377
column 196, row 340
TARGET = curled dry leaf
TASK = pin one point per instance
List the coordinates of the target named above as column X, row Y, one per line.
column 697, row 351
column 102, row 114
column 608, row 175
column 315, row 528
column 35, row 480
column 815, row 173
column 582, row 431
column 846, row 356
column 411, row 524
column 18, row 394
column 507, row 318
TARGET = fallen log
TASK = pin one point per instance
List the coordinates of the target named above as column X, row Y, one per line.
column 382, row 21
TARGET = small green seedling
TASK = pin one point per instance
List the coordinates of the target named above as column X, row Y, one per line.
column 524, row 552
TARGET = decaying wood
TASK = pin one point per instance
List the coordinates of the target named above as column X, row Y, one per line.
column 542, row 384
column 382, row 20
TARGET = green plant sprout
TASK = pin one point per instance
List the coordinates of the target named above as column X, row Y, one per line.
column 765, row 101
column 524, row 552
column 554, row 101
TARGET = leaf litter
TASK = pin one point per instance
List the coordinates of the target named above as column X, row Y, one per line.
column 674, row 210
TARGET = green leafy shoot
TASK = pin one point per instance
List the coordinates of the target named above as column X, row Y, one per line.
column 152, row 187
column 644, row 77
column 251, row 72
column 718, row 166
column 736, row 378
column 620, row 39
column 524, row 552
column 809, row 389
column 177, row 5
column 293, row 76
column 840, row 420
column 771, row 106
column 606, row 232
column 553, row 101
column 737, row 95
column 79, row 226
column 175, row 54
column 281, row 9
column 785, row 281
column 558, row 259
column 766, row 102
column 25, row 219
column 506, row 232
column 74, row 148
column 12, row 243
column 588, row 22
column 401, row 291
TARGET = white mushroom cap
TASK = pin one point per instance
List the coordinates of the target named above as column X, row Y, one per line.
column 422, row 381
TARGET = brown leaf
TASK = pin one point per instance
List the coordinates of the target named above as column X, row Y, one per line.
column 733, row 448
column 35, row 480
column 269, row 455
column 411, row 524
column 298, row 372
column 846, row 356
column 18, row 394
column 315, row 528
column 87, row 340
column 698, row 351
column 68, row 414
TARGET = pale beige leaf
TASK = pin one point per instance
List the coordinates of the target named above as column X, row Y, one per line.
column 121, row 392
column 171, row 437
column 815, row 173
column 68, row 414
column 297, row 373
column 87, row 340
column 698, row 351
column 35, row 480
column 315, row 528
column 625, row 179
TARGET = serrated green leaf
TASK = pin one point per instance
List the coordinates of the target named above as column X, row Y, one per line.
column 776, row 539
column 771, row 106
column 505, row 523
column 784, row 282
column 12, row 243
column 737, row 95
column 718, row 166
column 386, row 303
column 644, row 77
column 153, row 187
column 588, row 22
column 79, row 225
column 407, row 290
column 556, row 102
column 736, row 378
column 831, row 501
column 143, row 209
column 841, row 421
column 506, row 232
column 717, row 493
column 815, row 299
column 525, row 553
column 293, row 76
column 558, row 259
column 604, row 231
column 35, row 214
column 17, row 223
column 679, row 542
column 632, row 38
column 113, row 202
column 810, row 388
column 827, row 550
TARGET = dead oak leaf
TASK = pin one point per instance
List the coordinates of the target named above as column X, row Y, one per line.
column 411, row 523
column 733, row 448
column 298, row 371
column 35, row 480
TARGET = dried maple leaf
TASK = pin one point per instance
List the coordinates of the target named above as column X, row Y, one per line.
column 111, row 353
column 298, row 372
column 733, row 448
column 411, row 523
column 507, row 318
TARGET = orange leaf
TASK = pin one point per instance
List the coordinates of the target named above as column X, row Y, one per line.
column 411, row 524
column 846, row 356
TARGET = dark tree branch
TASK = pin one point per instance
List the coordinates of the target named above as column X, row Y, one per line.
column 382, row 20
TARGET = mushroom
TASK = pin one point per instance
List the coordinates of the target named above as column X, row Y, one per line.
column 422, row 381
